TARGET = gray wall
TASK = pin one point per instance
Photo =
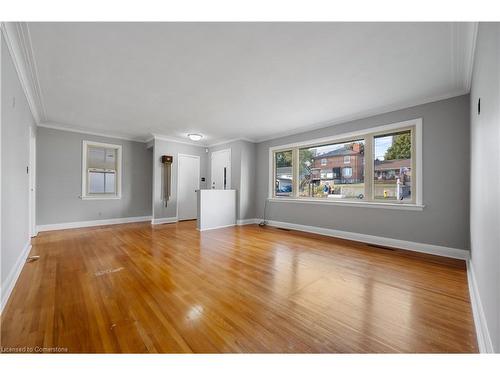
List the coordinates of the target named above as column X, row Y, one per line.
column 162, row 147
column 243, row 169
column 485, row 176
column 15, row 123
column 444, row 220
column 59, row 179
column 248, row 183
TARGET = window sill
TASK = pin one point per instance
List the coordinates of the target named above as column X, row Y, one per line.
column 383, row 205
column 90, row 198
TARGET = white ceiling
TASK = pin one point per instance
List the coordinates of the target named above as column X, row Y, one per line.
column 237, row 80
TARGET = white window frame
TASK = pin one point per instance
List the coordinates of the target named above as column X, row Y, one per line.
column 325, row 162
column 118, row 176
column 368, row 135
column 344, row 170
column 348, row 158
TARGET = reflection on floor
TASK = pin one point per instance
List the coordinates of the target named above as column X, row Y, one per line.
column 170, row 288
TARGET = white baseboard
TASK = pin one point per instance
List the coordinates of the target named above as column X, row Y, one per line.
column 219, row 227
column 164, row 220
column 483, row 335
column 376, row 240
column 92, row 223
column 238, row 222
column 248, row 221
column 10, row 282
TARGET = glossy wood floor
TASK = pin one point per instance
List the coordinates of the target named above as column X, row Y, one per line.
column 170, row 288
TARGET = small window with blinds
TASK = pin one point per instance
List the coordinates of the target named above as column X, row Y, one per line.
column 101, row 171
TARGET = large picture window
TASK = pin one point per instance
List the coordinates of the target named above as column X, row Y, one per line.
column 332, row 179
column 283, row 174
column 378, row 165
column 101, row 170
column 392, row 166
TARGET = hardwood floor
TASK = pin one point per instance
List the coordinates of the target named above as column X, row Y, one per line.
column 170, row 288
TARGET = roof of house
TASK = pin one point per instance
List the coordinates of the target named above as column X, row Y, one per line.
column 338, row 152
column 392, row 164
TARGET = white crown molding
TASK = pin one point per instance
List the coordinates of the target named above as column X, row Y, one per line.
column 463, row 44
column 222, row 142
column 471, row 56
column 63, row 127
column 57, row 126
column 362, row 115
column 18, row 40
column 300, row 130
column 482, row 333
column 168, row 138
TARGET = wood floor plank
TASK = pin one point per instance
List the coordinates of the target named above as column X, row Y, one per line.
column 137, row 288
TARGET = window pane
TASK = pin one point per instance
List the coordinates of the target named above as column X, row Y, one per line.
column 109, row 182
column 347, row 172
column 101, row 158
column 96, row 157
column 110, row 159
column 392, row 167
column 96, row 182
column 284, row 173
column 332, row 171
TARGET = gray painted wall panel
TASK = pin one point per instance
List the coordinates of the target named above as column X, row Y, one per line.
column 59, row 179
column 15, row 123
column 171, row 148
column 444, row 220
column 485, row 176
column 248, row 180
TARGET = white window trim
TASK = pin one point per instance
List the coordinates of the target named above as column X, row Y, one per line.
column 355, row 203
column 118, row 148
column 418, row 180
column 344, row 169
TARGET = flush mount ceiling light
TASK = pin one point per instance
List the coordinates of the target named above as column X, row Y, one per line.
column 195, row 137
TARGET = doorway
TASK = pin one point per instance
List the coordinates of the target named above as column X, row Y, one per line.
column 220, row 172
column 188, row 175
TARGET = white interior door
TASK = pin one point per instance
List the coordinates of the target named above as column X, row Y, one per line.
column 221, row 169
column 188, row 177
column 32, row 183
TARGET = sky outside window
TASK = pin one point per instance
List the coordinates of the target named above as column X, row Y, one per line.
column 381, row 146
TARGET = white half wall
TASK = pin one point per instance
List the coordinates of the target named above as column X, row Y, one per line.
column 216, row 209
column 243, row 175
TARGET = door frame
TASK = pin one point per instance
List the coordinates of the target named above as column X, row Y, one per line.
column 178, row 179
column 32, row 182
column 228, row 183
